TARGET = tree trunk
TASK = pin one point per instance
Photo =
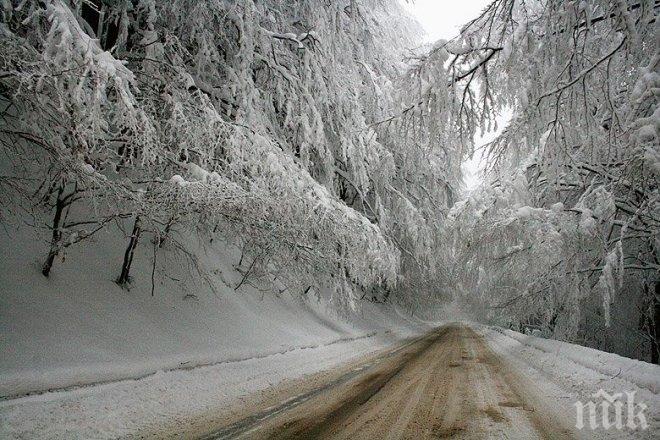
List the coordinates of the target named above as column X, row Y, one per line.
column 60, row 204
column 168, row 227
column 655, row 325
column 124, row 277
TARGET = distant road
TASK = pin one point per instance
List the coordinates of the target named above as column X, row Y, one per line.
column 447, row 384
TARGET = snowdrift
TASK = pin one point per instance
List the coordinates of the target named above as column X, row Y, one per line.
column 640, row 373
column 78, row 327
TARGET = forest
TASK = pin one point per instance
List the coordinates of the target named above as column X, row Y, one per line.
column 324, row 141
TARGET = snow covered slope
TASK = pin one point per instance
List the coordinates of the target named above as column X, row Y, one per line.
column 78, row 327
column 569, row 373
column 641, row 374
column 169, row 401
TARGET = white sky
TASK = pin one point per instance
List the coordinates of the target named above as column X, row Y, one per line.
column 443, row 19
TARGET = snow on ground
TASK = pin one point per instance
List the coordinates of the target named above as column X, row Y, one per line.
column 127, row 408
column 641, row 374
column 78, row 327
column 569, row 373
column 124, row 361
column 192, row 350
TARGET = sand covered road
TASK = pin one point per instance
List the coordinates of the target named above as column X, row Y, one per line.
column 448, row 384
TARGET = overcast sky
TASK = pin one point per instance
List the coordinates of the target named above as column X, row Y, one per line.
column 443, row 18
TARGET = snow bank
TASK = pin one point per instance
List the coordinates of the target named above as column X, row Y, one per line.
column 175, row 402
column 566, row 373
column 640, row 373
column 78, row 327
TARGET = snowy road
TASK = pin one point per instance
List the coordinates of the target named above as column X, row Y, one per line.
column 465, row 381
column 448, row 384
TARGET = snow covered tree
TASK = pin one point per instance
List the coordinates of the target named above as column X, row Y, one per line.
column 259, row 120
column 578, row 77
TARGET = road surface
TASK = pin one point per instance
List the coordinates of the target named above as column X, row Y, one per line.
column 447, row 384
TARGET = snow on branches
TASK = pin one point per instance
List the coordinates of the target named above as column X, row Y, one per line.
column 249, row 119
column 577, row 77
